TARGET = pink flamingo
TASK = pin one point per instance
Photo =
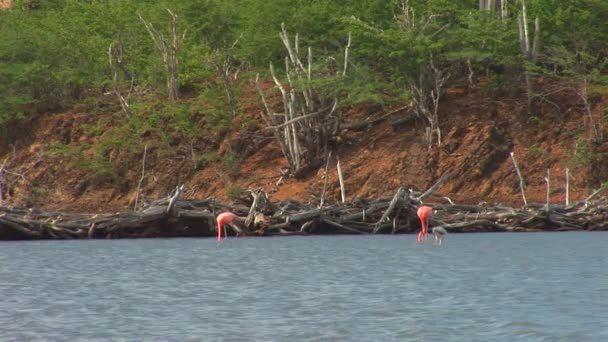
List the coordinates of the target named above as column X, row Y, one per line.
column 229, row 219
column 424, row 213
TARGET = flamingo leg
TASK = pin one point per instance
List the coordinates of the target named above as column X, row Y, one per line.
column 422, row 233
column 219, row 232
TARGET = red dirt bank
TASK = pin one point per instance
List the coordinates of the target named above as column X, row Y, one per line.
column 479, row 130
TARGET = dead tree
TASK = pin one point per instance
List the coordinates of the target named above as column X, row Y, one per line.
column 428, row 84
column 7, row 177
column 579, row 72
column 494, row 5
column 528, row 49
column 224, row 64
column 116, row 60
column 407, row 15
column 522, row 184
column 308, row 119
column 426, row 94
column 579, row 86
column 168, row 50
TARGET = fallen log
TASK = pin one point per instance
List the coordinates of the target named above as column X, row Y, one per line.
column 395, row 202
column 304, row 216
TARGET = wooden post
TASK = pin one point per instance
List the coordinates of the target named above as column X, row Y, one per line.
column 521, row 179
column 325, row 182
column 341, row 179
column 2, row 186
column 548, row 180
column 141, row 179
column 567, row 187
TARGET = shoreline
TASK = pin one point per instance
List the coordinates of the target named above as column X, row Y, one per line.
column 172, row 217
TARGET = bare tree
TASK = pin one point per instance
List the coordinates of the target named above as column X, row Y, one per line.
column 528, row 49
column 309, row 119
column 224, row 64
column 579, row 74
column 428, row 86
column 5, row 181
column 116, row 60
column 579, row 87
column 494, row 5
column 168, row 50
column 503, row 9
column 427, row 91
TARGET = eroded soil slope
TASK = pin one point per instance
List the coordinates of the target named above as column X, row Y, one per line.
column 479, row 130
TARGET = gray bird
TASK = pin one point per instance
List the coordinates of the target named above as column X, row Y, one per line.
column 439, row 233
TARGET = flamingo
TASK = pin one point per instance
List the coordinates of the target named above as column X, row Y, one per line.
column 439, row 233
column 229, row 219
column 424, row 213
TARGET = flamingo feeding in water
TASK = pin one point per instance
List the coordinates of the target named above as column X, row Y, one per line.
column 424, row 214
column 229, row 219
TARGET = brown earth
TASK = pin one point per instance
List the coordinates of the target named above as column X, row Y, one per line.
column 480, row 128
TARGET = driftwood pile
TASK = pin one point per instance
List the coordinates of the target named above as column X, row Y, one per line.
column 173, row 217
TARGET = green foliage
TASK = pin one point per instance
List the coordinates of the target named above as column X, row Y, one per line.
column 496, row 84
column 210, row 157
column 159, row 122
column 536, row 152
column 483, row 38
column 101, row 170
column 535, row 119
column 234, row 192
column 214, row 105
column 55, row 52
column 32, row 5
column 576, row 24
column 92, row 130
column 231, row 163
column 361, row 85
column 583, row 154
column 36, row 196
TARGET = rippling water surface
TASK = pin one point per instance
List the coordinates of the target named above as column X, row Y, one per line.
column 476, row 287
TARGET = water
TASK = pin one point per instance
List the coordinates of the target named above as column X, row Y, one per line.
column 476, row 287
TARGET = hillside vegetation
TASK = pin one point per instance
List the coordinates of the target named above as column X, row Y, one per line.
column 105, row 104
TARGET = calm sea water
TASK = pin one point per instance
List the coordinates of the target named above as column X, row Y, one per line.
column 476, row 287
